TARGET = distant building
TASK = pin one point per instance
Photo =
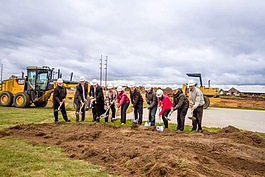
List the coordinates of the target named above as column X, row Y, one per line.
column 223, row 92
column 233, row 91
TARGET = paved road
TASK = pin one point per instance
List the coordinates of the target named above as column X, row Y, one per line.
column 251, row 120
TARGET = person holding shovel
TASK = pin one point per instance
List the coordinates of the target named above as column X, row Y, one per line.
column 137, row 103
column 151, row 100
column 97, row 100
column 111, row 97
column 123, row 102
column 196, row 103
column 165, row 104
column 81, row 98
column 181, row 103
column 59, row 96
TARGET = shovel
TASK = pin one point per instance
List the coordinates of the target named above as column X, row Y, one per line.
column 191, row 117
column 134, row 121
column 159, row 128
column 116, row 117
column 147, row 123
column 80, row 112
column 56, row 110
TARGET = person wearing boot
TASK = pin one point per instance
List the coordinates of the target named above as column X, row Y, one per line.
column 137, row 103
column 181, row 104
column 111, row 97
column 196, row 103
column 151, row 100
column 123, row 101
column 165, row 105
column 80, row 98
column 59, row 96
column 97, row 100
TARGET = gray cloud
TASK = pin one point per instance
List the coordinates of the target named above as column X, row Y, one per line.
column 147, row 41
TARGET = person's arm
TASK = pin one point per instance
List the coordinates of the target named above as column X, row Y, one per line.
column 197, row 100
column 136, row 99
column 56, row 94
column 121, row 101
column 100, row 94
column 179, row 104
column 154, row 99
column 163, row 106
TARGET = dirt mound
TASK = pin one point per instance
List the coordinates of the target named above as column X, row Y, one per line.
column 143, row 152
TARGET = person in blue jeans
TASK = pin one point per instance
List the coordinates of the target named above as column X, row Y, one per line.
column 151, row 100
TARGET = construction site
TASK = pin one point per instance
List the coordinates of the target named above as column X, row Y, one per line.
column 132, row 88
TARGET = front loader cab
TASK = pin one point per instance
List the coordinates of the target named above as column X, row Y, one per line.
column 38, row 86
column 38, row 78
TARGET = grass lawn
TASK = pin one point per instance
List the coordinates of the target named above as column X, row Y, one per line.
column 21, row 158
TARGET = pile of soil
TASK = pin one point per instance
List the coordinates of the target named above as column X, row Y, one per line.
column 134, row 151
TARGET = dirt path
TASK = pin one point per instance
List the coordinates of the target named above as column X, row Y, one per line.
column 135, row 151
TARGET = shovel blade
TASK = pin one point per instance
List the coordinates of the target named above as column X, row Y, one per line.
column 160, row 128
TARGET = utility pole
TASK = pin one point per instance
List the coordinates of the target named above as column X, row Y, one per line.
column 2, row 68
column 100, row 70
column 106, row 71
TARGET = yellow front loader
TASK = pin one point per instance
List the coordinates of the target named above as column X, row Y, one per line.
column 36, row 88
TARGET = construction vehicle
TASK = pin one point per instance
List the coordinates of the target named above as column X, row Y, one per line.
column 208, row 92
column 36, row 88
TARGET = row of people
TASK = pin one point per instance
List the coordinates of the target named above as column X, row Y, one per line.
column 115, row 99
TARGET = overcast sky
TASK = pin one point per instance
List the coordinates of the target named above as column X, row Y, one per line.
column 147, row 41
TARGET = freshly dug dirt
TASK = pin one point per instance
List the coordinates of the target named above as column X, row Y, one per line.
column 137, row 151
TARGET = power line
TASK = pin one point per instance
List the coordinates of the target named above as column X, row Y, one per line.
column 106, row 71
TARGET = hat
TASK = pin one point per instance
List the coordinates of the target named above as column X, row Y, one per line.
column 110, row 86
column 174, row 87
column 82, row 78
column 131, row 85
column 94, row 82
column 148, row 87
column 191, row 83
column 60, row 81
column 119, row 89
column 159, row 93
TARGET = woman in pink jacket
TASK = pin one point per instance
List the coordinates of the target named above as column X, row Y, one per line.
column 123, row 102
column 165, row 103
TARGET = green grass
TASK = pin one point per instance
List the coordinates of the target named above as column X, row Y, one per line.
column 21, row 158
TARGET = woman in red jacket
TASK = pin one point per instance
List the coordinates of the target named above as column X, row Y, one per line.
column 123, row 102
column 165, row 103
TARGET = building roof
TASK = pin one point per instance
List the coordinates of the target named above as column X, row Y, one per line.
column 251, row 89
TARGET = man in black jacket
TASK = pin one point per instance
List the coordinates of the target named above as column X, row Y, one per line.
column 80, row 98
column 59, row 96
column 137, row 103
column 181, row 103
column 97, row 100
column 151, row 100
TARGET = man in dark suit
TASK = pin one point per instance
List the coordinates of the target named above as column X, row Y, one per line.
column 97, row 100
column 59, row 96
column 81, row 98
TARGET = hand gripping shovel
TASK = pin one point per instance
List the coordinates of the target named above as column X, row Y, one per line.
column 56, row 110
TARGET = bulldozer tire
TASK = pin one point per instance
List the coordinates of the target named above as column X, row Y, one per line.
column 21, row 100
column 41, row 103
column 207, row 102
column 6, row 98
